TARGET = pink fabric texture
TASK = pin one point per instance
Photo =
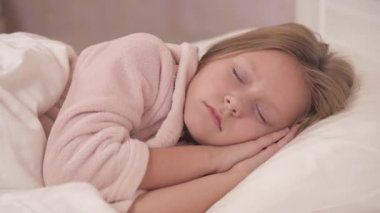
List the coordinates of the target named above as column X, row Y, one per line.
column 126, row 95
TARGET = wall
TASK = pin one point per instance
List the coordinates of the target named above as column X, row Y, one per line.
column 84, row 22
column 2, row 19
column 341, row 22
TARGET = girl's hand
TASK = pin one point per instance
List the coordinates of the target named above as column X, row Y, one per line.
column 245, row 167
column 251, row 154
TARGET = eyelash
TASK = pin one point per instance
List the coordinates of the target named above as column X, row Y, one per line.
column 260, row 114
column 237, row 76
column 262, row 118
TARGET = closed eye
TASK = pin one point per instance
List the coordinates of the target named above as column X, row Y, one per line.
column 237, row 76
column 259, row 112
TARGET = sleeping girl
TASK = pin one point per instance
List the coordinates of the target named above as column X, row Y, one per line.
column 131, row 100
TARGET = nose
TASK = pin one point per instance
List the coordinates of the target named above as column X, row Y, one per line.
column 233, row 105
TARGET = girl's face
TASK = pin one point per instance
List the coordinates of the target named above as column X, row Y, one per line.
column 245, row 96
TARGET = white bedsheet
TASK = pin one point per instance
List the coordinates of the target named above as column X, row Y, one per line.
column 71, row 197
column 33, row 73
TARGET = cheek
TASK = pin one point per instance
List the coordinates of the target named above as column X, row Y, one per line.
column 218, row 83
column 295, row 112
column 247, row 129
column 216, row 87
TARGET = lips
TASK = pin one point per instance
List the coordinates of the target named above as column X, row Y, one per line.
column 214, row 115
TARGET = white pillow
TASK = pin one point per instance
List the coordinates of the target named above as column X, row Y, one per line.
column 33, row 73
column 333, row 166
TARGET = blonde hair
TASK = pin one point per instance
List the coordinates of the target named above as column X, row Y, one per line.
column 329, row 76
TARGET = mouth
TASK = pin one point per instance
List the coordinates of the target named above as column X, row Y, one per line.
column 215, row 116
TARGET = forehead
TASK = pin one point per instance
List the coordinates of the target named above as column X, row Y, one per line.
column 272, row 63
column 269, row 59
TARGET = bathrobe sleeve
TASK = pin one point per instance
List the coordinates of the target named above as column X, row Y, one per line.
column 113, row 84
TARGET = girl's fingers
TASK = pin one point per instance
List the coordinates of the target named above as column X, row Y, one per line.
column 248, row 165
column 270, row 145
column 288, row 137
column 271, row 138
column 269, row 151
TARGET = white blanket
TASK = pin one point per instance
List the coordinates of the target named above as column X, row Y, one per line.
column 33, row 73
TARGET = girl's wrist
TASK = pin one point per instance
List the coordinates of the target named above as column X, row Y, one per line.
column 240, row 171
column 235, row 176
column 212, row 159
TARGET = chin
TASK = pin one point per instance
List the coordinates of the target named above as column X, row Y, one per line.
column 203, row 139
column 199, row 132
column 196, row 134
column 200, row 141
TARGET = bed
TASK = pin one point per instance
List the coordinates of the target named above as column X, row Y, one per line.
column 333, row 166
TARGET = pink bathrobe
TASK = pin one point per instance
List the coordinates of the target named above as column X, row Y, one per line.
column 126, row 95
